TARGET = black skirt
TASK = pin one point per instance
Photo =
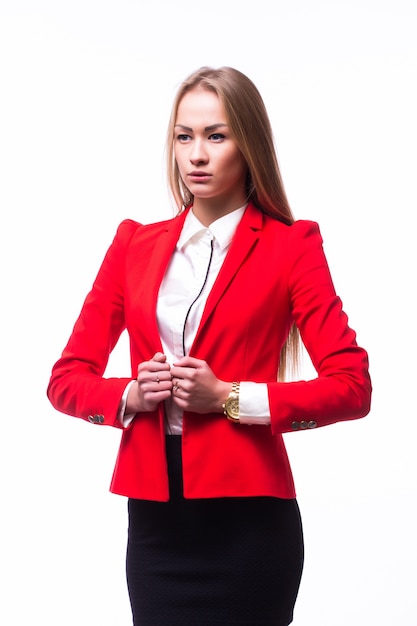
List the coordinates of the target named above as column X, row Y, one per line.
column 212, row 562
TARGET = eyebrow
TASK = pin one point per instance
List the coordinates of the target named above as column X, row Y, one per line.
column 207, row 128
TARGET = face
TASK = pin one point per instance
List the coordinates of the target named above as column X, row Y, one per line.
column 209, row 161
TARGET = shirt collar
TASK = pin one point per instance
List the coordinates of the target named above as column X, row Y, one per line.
column 222, row 229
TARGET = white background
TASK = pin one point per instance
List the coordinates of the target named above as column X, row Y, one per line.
column 86, row 88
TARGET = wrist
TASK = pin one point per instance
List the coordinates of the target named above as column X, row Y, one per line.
column 132, row 399
column 222, row 393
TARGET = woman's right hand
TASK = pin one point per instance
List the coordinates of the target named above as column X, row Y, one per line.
column 153, row 385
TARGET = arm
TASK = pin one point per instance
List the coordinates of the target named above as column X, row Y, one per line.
column 342, row 389
column 77, row 386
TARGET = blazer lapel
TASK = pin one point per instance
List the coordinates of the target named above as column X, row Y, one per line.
column 246, row 236
column 159, row 257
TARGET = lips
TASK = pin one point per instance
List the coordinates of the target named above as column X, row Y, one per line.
column 199, row 176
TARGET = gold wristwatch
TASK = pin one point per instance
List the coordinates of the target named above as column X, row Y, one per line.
column 231, row 404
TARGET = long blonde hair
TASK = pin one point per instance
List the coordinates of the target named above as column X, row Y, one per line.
column 251, row 129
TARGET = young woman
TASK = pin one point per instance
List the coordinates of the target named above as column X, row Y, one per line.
column 214, row 301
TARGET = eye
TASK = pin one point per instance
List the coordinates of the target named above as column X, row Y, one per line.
column 217, row 137
column 183, row 138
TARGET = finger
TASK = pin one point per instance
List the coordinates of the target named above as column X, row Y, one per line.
column 155, row 392
column 161, row 376
column 157, row 362
column 152, row 399
column 154, row 381
column 162, row 386
column 189, row 361
column 181, row 372
column 153, row 366
column 176, row 385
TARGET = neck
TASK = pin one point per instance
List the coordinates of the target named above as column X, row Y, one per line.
column 210, row 210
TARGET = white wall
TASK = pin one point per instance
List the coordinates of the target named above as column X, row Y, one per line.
column 85, row 92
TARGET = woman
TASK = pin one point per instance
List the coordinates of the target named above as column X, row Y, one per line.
column 213, row 301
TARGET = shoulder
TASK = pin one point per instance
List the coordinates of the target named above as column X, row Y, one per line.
column 305, row 231
column 299, row 228
column 126, row 229
column 303, row 227
column 130, row 230
column 297, row 231
column 299, row 244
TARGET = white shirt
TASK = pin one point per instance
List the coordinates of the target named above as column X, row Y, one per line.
column 194, row 266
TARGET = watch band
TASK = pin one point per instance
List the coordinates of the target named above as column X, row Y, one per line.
column 231, row 404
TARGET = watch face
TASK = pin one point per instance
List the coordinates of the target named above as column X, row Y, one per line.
column 232, row 407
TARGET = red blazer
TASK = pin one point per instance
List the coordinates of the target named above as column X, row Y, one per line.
column 273, row 274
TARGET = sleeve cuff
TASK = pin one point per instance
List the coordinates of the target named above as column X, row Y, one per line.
column 254, row 403
column 125, row 419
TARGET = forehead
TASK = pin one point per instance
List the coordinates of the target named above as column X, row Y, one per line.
column 200, row 107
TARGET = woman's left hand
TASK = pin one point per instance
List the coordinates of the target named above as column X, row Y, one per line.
column 196, row 388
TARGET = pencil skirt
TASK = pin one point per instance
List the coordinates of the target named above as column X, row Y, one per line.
column 212, row 562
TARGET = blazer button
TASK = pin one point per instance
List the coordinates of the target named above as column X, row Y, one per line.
column 90, row 419
column 303, row 425
column 99, row 419
column 295, row 425
column 312, row 424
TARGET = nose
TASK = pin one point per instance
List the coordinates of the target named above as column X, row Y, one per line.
column 198, row 153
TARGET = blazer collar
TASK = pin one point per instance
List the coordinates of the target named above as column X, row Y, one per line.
column 246, row 236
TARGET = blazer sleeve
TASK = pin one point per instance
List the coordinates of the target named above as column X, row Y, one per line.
column 77, row 386
column 342, row 389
